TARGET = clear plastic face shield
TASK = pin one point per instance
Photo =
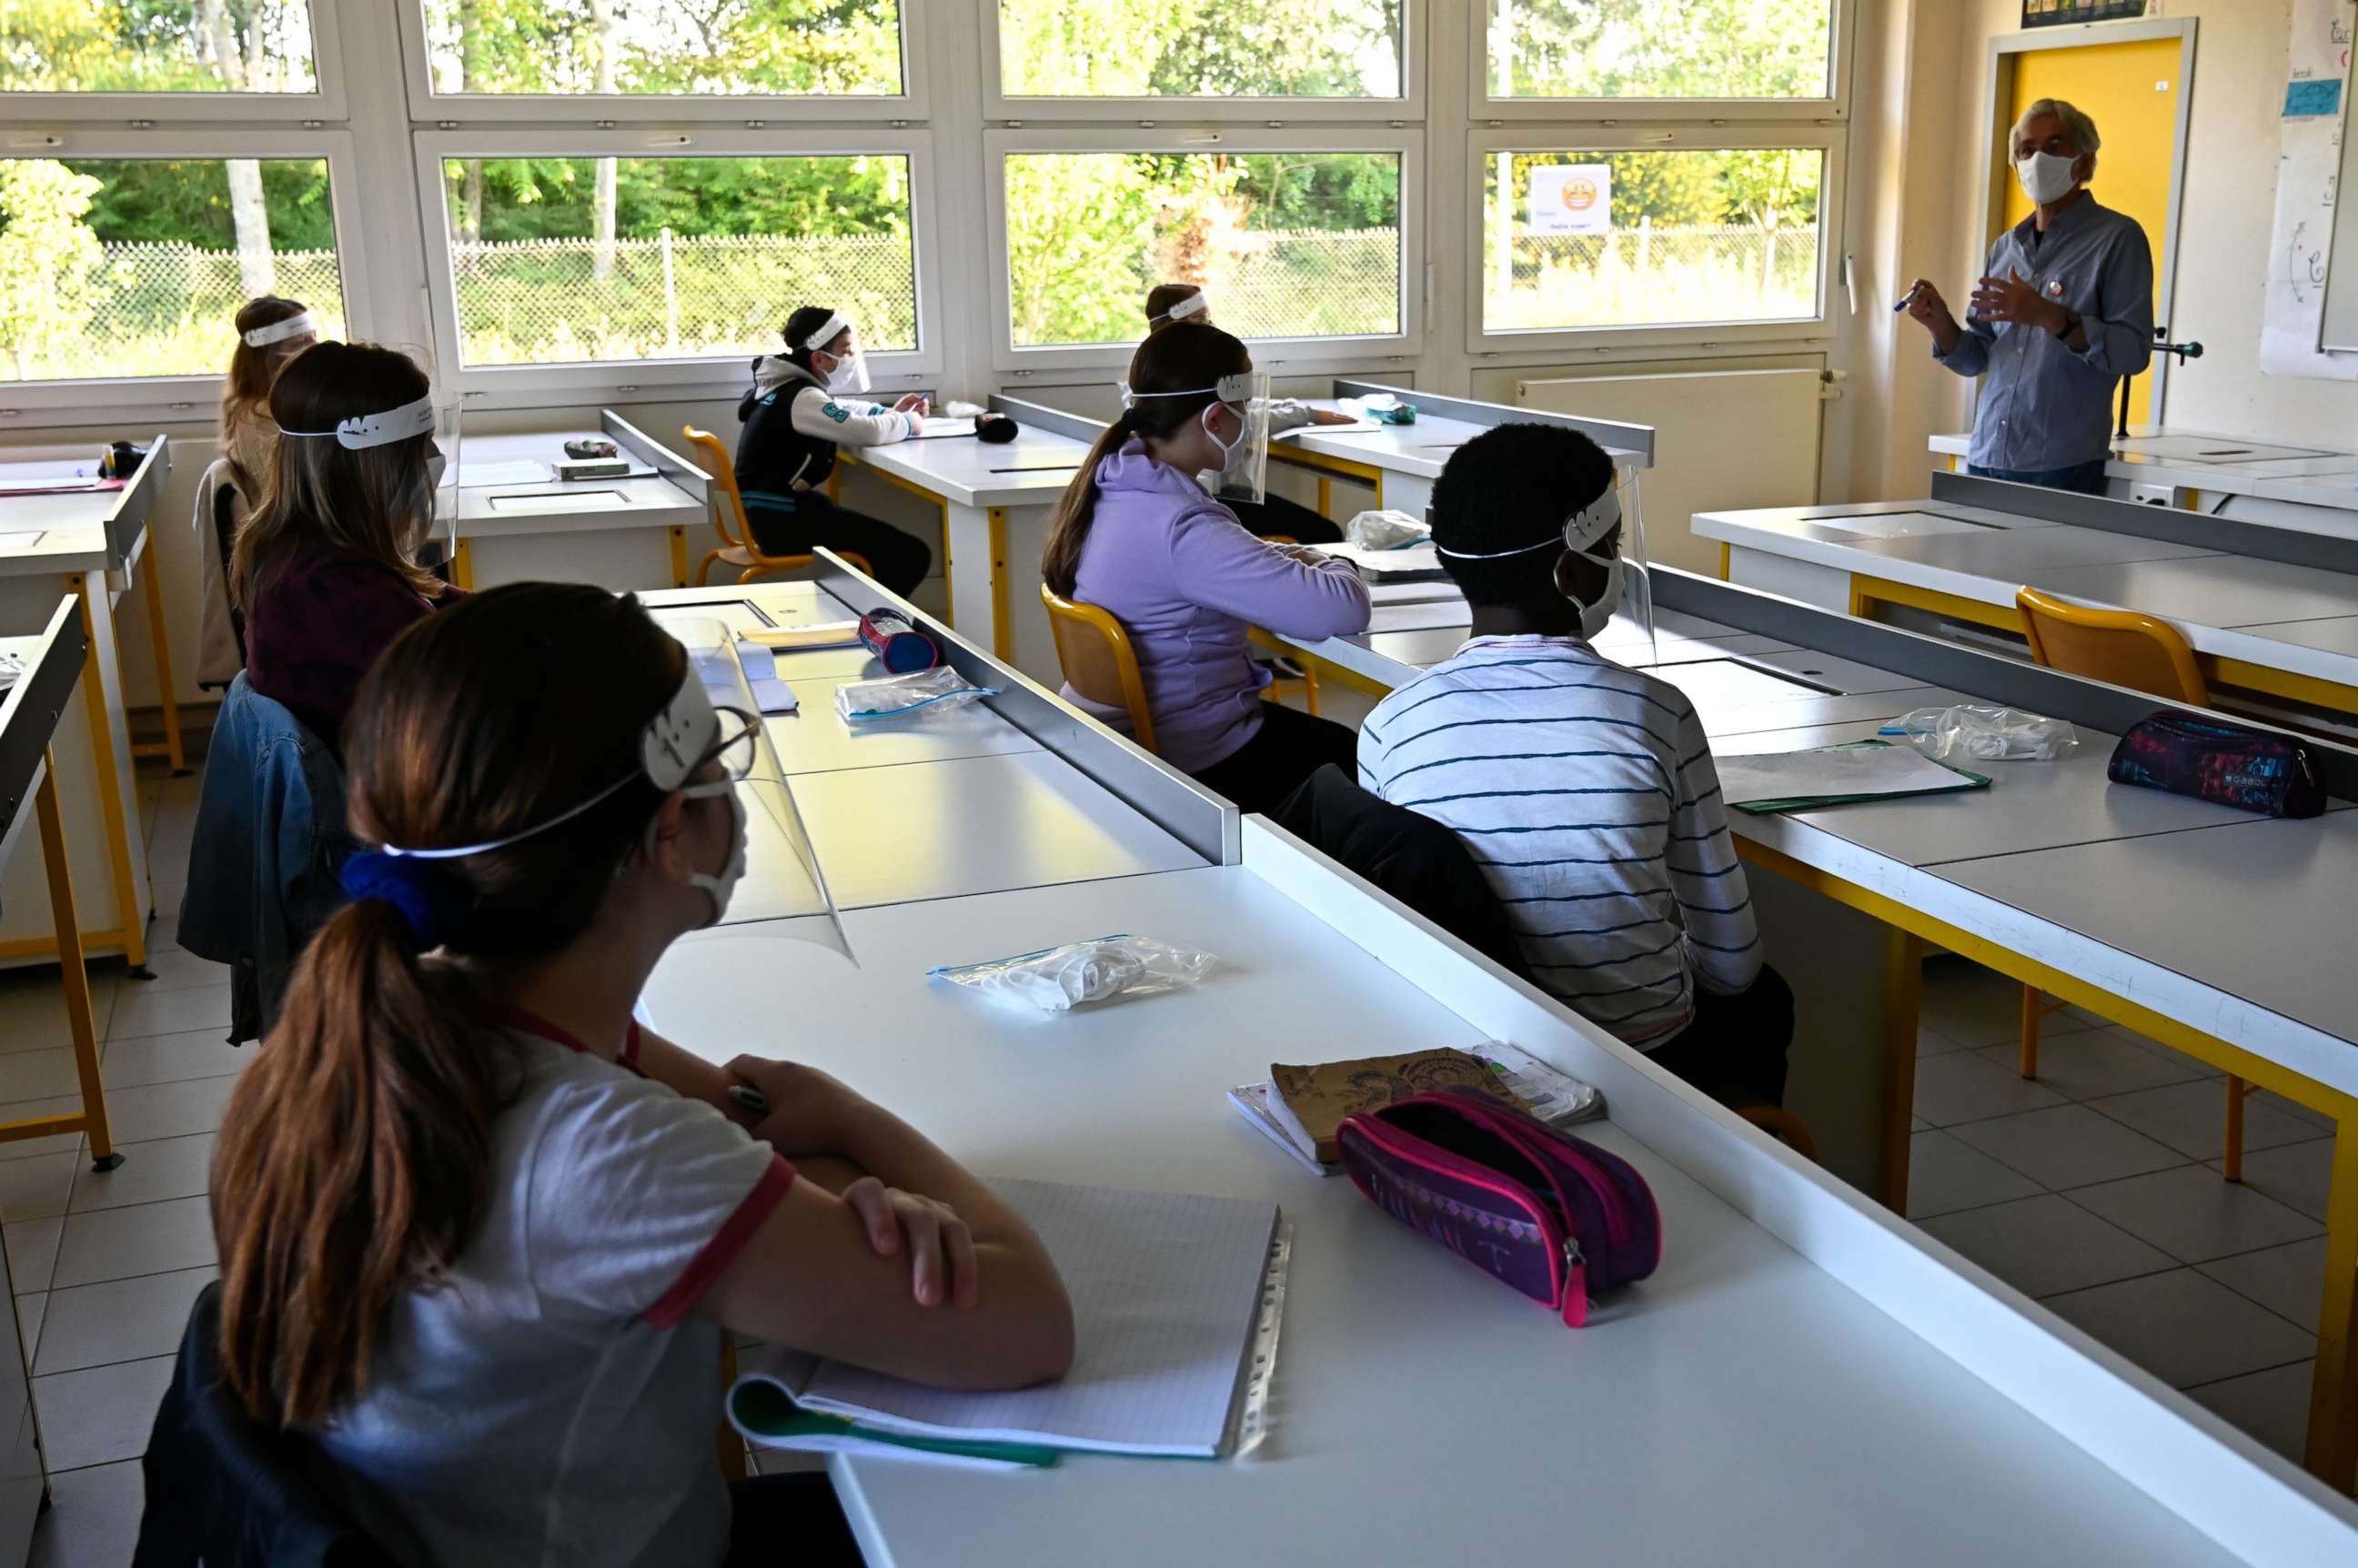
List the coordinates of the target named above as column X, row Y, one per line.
column 299, row 325
column 435, row 416
column 1609, row 532
column 1237, row 425
column 1193, row 306
column 846, row 372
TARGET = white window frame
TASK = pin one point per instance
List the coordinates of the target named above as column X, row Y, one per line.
column 428, row 107
column 1834, row 107
column 29, row 404
column 1795, row 333
column 534, row 385
column 325, row 101
column 998, row 106
column 1284, row 356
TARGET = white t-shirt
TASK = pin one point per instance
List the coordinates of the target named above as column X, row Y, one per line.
column 554, row 1404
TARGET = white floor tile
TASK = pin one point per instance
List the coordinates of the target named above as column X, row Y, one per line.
column 2193, row 1119
column 178, row 971
column 1977, row 1006
column 30, row 1310
column 36, row 1188
column 147, row 1238
column 1944, row 1175
column 101, row 1414
column 2090, row 1063
column 38, row 1075
column 2289, row 1281
column 1962, row 1087
column 32, row 1253
column 121, row 1319
column 53, row 1143
column 169, row 1111
column 2300, row 1175
column 2185, row 1328
column 140, row 1011
column 93, row 1518
column 2042, row 1244
column 2275, row 1101
column 150, row 1173
column 1932, row 1043
column 2193, row 1213
column 172, row 1058
column 2070, row 1146
column 33, row 1008
column 2195, row 1065
column 2272, row 1406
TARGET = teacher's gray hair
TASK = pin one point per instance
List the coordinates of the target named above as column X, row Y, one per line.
column 2076, row 125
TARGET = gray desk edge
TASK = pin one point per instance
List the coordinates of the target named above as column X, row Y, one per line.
column 2169, row 525
column 1055, row 421
column 1612, row 433
column 1156, row 790
column 136, row 502
column 30, row 712
column 667, row 463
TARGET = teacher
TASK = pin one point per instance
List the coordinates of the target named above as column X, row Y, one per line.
column 2064, row 310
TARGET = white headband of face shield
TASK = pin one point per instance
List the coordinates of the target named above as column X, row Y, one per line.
column 1235, row 388
column 1581, row 530
column 366, row 430
column 835, row 327
column 295, row 325
column 1194, row 305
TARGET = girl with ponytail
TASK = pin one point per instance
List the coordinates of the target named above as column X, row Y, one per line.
column 1136, row 535
column 480, row 1233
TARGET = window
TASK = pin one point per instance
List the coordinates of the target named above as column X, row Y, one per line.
column 1288, row 245
column 565, row 259
column 144, row 46
column 665, row 48
column 115, row 267
column 1227, row 49
column 1646, row 238
column 1775, row 50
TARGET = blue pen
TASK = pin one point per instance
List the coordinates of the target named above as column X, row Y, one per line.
column 1906, row 298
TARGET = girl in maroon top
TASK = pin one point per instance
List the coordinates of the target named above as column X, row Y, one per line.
column 325, row 570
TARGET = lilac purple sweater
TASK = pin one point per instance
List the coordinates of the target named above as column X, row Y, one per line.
column 1186, row 580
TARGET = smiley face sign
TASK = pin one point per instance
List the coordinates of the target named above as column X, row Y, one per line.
column 1571, row 199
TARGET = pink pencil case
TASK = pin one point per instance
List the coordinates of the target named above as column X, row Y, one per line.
column 1551, row 1215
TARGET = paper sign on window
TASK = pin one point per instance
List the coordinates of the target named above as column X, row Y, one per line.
column 1571, row 199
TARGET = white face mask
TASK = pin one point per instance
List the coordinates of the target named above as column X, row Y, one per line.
column 844, row 377
column 1227, row 449
column 2046, row 177
column 1594, row 617
column 723, row 886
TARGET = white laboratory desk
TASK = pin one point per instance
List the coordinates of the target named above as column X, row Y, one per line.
column 2281, row 485
column 518, row 523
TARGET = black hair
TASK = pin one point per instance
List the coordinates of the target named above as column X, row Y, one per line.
column 800, row 325
column 1512, row 486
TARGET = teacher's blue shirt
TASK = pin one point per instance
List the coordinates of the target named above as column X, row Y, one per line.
column 2046, row 406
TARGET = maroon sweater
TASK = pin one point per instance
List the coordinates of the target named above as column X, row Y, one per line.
column 318, row 620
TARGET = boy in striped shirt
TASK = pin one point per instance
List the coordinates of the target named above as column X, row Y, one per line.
column 1584, row 789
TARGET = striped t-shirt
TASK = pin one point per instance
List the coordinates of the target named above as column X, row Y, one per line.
column 1587, row 793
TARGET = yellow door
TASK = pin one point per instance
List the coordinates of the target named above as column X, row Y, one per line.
column 2131, row 91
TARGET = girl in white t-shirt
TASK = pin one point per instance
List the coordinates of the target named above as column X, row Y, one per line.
column 480, row 1233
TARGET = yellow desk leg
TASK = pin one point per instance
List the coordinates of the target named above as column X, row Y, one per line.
column 131, row 921
column 463, row 566
column 2334, row 1393
column 1903, row 994
column 69, row 970
column 1325, row 496
column 157, row 635
column 1002, row 622
column 678, row 557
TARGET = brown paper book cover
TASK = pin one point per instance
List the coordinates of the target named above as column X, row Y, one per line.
column 1314, row 1100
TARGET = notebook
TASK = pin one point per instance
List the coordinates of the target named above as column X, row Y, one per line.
column 771, row 694
column 1311, row 1101
column 1166, row 1292
column 1836, row 775
column 1554, row 1096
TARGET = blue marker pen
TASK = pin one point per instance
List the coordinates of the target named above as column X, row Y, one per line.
column 1906, row 299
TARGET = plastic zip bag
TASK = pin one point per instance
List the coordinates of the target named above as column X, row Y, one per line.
column 928, row 691
column 1385, row 530
column 1986, row 733
column 1058, row 979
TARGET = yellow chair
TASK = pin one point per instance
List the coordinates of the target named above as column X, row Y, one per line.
column 1097, row 660
column 737, row 547
column 2132, row 650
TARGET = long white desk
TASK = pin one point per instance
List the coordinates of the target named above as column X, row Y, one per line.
column 518, row 523
column 1809, row 1356
column 2280, row 483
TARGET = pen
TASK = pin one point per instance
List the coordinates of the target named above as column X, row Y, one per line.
column 748, row 1099
column 1905, row 298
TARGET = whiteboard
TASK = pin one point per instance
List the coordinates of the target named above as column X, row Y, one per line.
column 2309, row 110
column 2340, row 333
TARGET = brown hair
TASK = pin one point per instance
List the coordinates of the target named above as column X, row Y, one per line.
column 356, row 1156
column 246, row 393
column 1185, row 356
column 376, row 501
column 1163, row 297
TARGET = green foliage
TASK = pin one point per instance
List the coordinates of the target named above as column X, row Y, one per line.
column 165, row 200
column 1216, row 49
column 152, row 46
column 531, row 198
column 666, row 45
column 1767, row 188
column 1663, row 49
column 47, row 258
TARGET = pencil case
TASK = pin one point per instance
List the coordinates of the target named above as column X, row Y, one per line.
column 1551, row 1215
column 2229, row 764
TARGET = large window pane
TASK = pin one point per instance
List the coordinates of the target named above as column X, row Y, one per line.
column 136, row 267
column 1216, row 49
column 702, row 48
column 156, row 46
column 1647, row 239
column 1659, row 48
column 573, row 261
column 1288, row 245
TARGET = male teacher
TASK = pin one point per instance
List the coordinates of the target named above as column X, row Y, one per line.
column 2064, row 311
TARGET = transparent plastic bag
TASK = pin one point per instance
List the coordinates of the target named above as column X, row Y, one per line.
column 1983, row 733
column 1058, row 979
column 936, row 690
column 1385, row 530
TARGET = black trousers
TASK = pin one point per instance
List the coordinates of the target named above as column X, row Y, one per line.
column 1289, row 747
column 1279, row 515
column 788, row 1521
column 1736, row 1044
column 900, row 561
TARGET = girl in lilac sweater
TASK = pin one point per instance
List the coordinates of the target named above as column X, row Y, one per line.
column 1136, row 535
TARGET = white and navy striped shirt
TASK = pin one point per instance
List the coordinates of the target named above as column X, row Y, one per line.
column 1587, row 792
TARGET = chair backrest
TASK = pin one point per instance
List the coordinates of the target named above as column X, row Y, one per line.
column 1097, row 659
column 729, row 503
column 2117, row 645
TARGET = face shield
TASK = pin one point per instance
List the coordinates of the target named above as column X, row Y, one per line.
column 1239, row 425
column 299, row 325
column 1609, row 532
column 846, row 372
column 435, row 416
column 1194, row 304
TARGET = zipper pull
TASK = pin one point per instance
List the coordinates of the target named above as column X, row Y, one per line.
column 1576, row 1284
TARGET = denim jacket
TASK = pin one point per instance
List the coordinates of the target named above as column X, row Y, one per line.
column 269, row 842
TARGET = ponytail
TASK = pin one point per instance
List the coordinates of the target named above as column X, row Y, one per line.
column 1068, row 531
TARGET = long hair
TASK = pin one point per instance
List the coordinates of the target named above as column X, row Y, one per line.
column 246, row 393
column 800, row 325
column 1183, row 357
column 1163, row 297
column 378, row 501
column 355, row 1159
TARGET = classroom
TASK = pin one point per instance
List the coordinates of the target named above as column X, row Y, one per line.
column 791, row 781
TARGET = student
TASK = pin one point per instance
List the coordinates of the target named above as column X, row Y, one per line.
column 794, row 418
column 1136, row 535
column 271, row 332
column 326, row 568
column 1170, row 302
column 480, row 1233
column 1585, row 790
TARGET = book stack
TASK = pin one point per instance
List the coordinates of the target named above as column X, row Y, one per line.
column 1300, row 1108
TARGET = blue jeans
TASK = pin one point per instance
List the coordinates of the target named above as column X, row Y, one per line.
column 2087, row 479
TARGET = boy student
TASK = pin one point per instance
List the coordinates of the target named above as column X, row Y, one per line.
column 1585, row 790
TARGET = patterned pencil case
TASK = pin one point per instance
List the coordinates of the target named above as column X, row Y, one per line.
column 2230, row 764
column 1551, row 1215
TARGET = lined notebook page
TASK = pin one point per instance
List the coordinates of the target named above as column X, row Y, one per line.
column 1165, row 1288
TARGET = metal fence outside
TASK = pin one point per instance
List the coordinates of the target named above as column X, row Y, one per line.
column 1647, row 277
